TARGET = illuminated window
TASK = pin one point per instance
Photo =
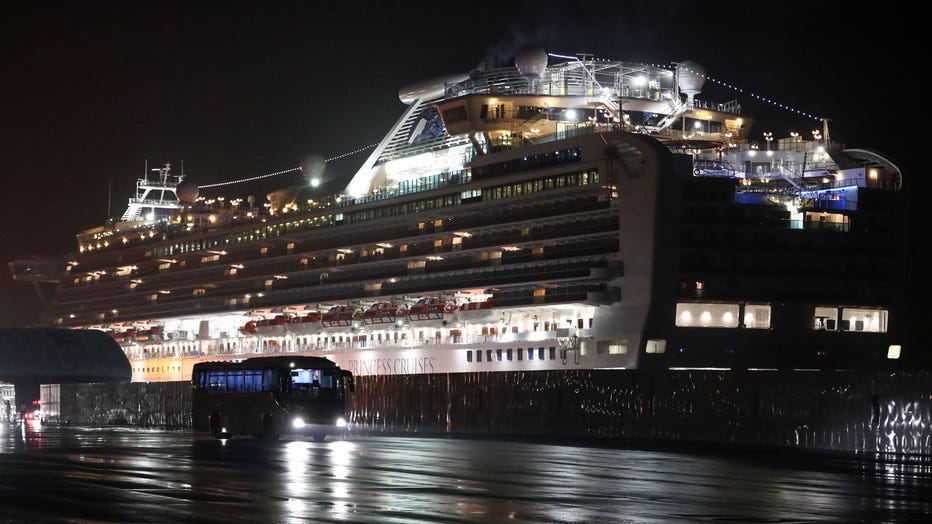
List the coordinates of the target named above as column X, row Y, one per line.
column 692, row 314
column 656, row 346
column 825, row 318
column 757, row 316
column 864, row 320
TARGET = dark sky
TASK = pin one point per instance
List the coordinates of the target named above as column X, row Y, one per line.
column 93, row 90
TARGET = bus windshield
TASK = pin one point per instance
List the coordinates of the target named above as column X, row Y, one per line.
column 270, row 396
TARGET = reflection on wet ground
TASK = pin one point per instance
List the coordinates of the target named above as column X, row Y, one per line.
column 77, row 474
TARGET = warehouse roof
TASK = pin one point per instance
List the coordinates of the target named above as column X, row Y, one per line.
column 58, row 356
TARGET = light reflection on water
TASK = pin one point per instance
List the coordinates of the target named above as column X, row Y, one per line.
column 172, row 476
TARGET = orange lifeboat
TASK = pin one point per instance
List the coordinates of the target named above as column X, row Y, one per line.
column 306, row 322
column 275, row 324
column 430, row 308
column 476, row 311
column 340, row 316
column 249, row 328
column 381, row 313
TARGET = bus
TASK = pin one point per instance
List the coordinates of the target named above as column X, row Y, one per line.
column 270, row 396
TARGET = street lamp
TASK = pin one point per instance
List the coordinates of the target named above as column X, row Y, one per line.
column 817, row 135
column 768, row 136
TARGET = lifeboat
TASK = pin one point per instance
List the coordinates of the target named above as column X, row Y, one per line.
column 383, row 313
column 127, row 335
column 145, row 335
column 476, row 311
column 430, row 308
column 275, row 324
column 339, row 316
column 306, row 322
column 249, row 328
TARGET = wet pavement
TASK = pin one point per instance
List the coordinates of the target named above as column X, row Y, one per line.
column 78, row 474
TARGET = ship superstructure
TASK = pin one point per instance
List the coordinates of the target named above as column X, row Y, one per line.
column 580, row 214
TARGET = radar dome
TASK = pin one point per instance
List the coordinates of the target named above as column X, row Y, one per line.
column 531, row 61
column 690, row 76
column 187, row 192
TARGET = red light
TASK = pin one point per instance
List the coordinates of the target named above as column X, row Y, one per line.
column 35, row 402
column 30, row 415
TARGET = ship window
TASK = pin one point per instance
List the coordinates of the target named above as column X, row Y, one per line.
column 757, row 316
column 520, row 353
column 488, row 355
column 893, row 351
column 656, row 346
column 864, row 320
column 553, row 353
column 479, row 356
column 708, row 315
column 617, row 349
column 540, row 353
column 825, row 318
column 469, row 356
column 530, row 353
column 498, row 355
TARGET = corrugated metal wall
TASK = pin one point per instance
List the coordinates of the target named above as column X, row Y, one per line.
column 843, row 411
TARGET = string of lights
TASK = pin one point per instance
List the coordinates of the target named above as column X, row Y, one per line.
column 749, row 93
column 735, row 88
column 286, row 171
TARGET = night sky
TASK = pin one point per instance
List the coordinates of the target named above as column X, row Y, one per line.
column 93, row 90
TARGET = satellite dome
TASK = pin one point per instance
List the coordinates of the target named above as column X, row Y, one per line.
column 690, row 76
column 531, row 61
column 187, row 192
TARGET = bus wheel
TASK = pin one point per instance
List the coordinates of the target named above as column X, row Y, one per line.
column 214, row 423
column 268, row 427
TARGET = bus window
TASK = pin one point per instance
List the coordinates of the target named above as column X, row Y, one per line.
column 308, row 396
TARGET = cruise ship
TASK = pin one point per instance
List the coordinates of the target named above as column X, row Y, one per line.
column 551, row 213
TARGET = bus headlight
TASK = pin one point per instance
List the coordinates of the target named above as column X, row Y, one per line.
column 298, row 422
column 341, row 422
